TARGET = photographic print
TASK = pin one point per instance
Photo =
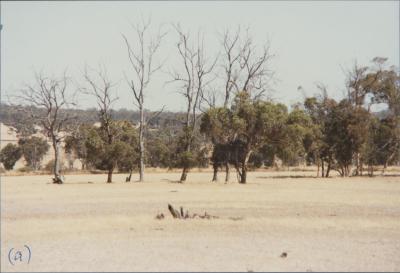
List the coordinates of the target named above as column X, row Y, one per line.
column 200, row 136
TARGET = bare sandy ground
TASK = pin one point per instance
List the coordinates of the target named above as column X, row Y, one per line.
column 335, row 224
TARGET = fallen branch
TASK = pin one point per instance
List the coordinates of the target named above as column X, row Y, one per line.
column 175, row 213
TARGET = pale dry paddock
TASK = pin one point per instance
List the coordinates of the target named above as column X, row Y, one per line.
column 335, row 224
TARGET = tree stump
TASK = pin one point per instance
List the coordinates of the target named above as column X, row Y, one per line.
column 180, row 214
column 174, row 212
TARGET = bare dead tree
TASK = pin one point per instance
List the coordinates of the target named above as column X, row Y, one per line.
column 194, row 78
column 141, row 56
column 99, row 86
column 51, row 95
column 246, row 67
column 257, row 74
column 231, row 62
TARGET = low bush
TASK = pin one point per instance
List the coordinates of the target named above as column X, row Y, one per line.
column 26, row 169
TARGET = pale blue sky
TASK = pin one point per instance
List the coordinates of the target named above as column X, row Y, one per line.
column 311, row 40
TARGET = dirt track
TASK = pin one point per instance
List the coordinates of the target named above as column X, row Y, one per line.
column 332, row 224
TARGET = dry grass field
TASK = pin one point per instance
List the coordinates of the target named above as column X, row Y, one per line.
column 335, row 224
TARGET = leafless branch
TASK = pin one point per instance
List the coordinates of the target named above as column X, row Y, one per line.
column 99, row 86
column 245, row 68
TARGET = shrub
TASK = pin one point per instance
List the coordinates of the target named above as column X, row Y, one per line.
column 33, row 150
column 26, row 169
column 9, row 155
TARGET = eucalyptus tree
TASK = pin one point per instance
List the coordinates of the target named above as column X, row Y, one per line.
column 255, row 122
column 289, row 146
column 316, row 144
column 384, row 85
column 347, row 129
column 118, row 154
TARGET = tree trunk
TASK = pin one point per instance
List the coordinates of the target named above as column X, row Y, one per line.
column 387, row 162
column 227, row 172
column 273, row 162
column 346, row 171
column 340, row 171
column 318, row 163
column 328, row 168
column 322, row 168
column 141, row 144
column 357, row 164
column 109, row 176
column 56, row 168
column 35, row 162
column 186, row 168
column 128, row 179
column 215, row 175
column 370, row 170
column 184, row 174
column 243, row 174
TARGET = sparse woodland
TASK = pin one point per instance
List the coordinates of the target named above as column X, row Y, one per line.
column 242, row 131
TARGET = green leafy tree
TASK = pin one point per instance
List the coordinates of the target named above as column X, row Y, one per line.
column 381, row 148
column 105, row 155
column 347, row 131
column 384, row 85
column 33, row 150
column 216, row 125
column 264, row 156
column 318, row 150
column 9, row 155
column 195, row 156
column 290, row 145
column 256, row 123
column 371, row 151
column 251, row 128
column 368, row 86
column 130, row 157
column 75, row 144
column 161, row 148
column 286, row 144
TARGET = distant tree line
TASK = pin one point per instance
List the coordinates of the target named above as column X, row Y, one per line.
column 21, row 121
column 243, row 130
